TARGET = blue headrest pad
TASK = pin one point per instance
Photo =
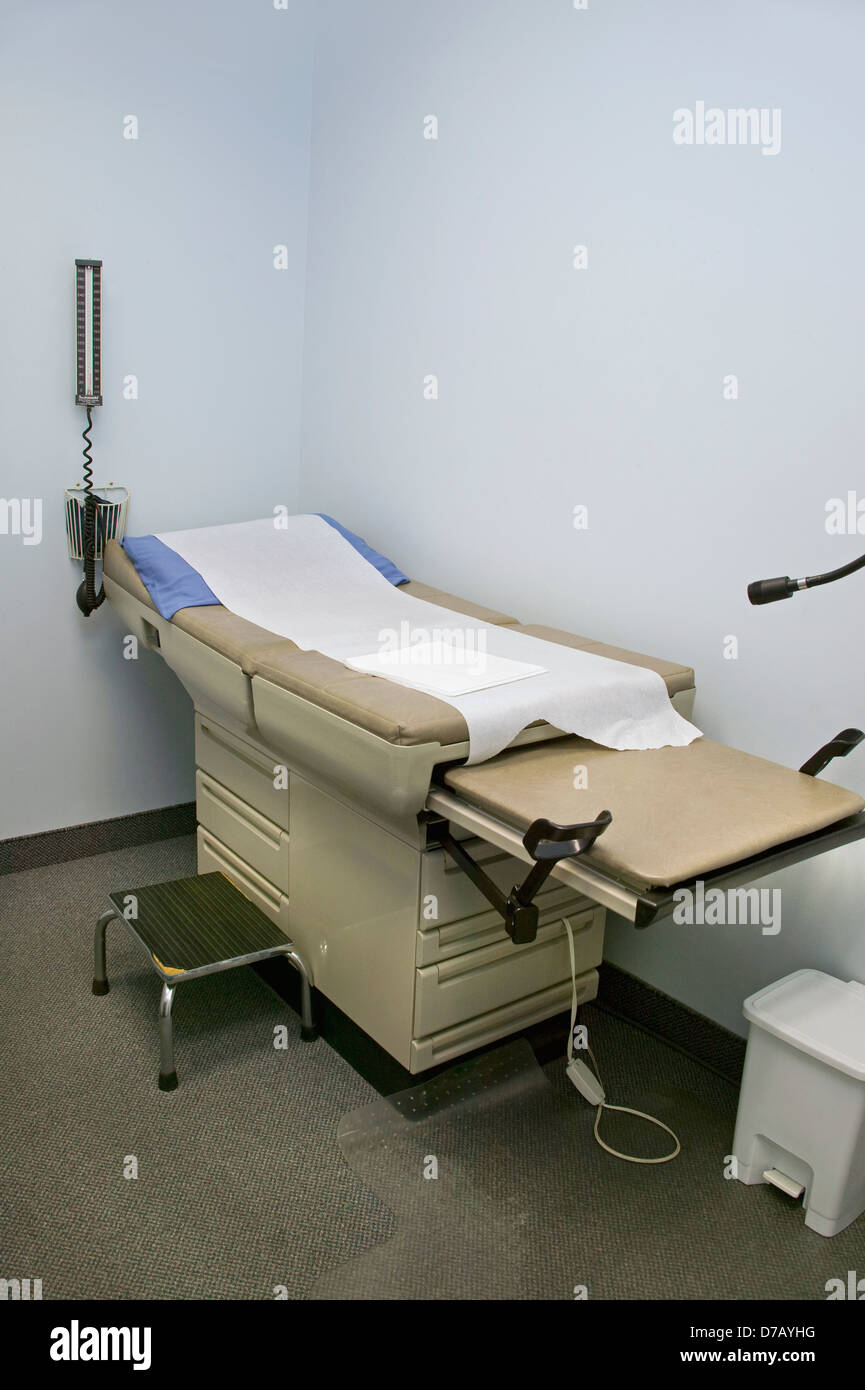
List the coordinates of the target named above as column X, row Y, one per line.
column 169, row 580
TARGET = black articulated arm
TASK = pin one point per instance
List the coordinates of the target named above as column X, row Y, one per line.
column 782, row 586
column 839, row 747
column 547, row 844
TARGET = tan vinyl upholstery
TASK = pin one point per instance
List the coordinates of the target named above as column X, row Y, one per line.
column 396, row 712
column 458, row 605
column 391, row 711
column 675, row 676
column 677, row 812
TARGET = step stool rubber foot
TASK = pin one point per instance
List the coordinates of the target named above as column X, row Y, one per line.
column 308, row 1034
column 169, row 1082
column 99, row 987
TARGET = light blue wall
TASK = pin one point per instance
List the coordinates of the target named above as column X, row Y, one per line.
column 604, row 386
column 185, row 220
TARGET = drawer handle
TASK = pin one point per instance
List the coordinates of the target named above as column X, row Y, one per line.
column 258, row 765
column 255, row 890
column 247, row 815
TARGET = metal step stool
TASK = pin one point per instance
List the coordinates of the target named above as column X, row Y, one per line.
column 192, row 927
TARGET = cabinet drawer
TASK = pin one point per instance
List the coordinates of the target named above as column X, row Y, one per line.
column 435, row 943
column 212, row 855
column 478, row 981
column 243, row 768
column 498, row 1023
column 448, row 894
column 251, row 835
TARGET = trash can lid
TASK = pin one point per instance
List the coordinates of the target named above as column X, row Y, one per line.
column 817, row 1014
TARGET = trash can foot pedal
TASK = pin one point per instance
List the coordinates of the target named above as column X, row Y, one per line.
column 783, row 1183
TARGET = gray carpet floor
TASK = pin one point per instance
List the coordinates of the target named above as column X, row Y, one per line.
column 269, row 1170
column 526, row 1205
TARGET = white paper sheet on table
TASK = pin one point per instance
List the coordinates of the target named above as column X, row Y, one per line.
column 442, row 668
column 302, row 580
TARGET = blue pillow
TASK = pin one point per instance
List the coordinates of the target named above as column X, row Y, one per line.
column 380, row 562
column 169, row 580
column 173, row 584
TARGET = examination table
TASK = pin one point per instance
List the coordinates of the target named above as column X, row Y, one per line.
column 340, row 803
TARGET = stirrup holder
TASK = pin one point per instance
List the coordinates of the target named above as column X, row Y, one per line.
column 547, row 843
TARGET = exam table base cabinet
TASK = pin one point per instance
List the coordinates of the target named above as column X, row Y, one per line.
column 394, row 933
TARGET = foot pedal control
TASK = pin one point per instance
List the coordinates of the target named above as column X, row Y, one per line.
column 585, row 1081
column 789, row 1186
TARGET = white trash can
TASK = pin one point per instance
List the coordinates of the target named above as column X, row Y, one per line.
column 802, row 1105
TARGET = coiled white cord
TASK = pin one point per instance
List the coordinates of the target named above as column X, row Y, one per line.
column 623, row 1109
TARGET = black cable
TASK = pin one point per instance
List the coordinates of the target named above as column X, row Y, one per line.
column 93, row 529
column 814, row 579
column 88, row 458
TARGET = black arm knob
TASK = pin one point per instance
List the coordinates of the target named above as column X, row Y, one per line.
column 546, row 840
column 839, row 747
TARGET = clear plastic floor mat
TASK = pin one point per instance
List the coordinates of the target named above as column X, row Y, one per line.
column 480, row 1165
column 456, row 1217
column 500, row 1191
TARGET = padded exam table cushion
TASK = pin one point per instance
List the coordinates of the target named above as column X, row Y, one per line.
column 678, row 813
column 393, row 712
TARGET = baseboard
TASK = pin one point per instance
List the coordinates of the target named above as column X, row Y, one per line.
column 621, row 994
column 674, row 1023
column 97, row 837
